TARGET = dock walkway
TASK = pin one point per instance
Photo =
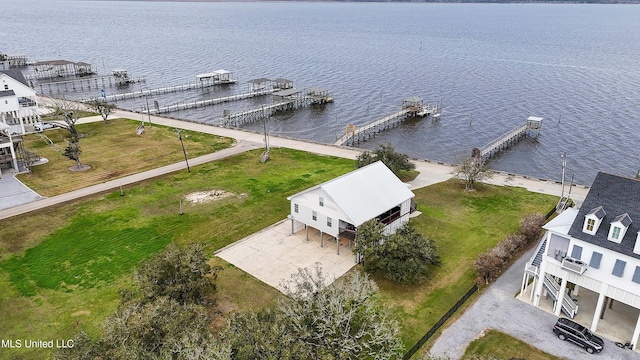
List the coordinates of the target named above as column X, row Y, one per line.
column 81, row 83
column 263, row 112
column 164, row 90
column 208, row 102
column 415, row 108
column 510, row 138
column 360, row 134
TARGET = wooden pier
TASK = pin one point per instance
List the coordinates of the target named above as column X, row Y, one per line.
column 80, row 84
column 10, row 61
column 510, row 138
column 208, row 102
column 261, row 113
column 411, row 107
column 163, row 90
column 283, row 100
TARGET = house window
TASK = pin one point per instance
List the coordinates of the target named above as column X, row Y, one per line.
column 329, row 221
column 296, row 209
column 618, row 268
column 595, row 260
column 636, row 275
column 576, row 253
column 6, row 87
column 590, row 224
column 615, row 234
column 321, row 201
column 314, row 216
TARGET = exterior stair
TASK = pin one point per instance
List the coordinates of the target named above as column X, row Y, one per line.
column 537, row 259
column 569, row 307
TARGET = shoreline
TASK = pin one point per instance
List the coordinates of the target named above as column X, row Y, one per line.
column 431, row 172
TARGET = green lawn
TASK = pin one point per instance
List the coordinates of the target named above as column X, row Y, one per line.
column 61, row 268
column 113, row 151
column 66, row 277
column 462, row 224
column 503, row 346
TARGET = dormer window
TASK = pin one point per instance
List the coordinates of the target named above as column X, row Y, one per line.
column 615, row 232
column 619, row 227
column 592, row 220
column 636, row 248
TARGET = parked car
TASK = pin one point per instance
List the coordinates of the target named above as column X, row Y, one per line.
column 42, row 126
column 567, row 329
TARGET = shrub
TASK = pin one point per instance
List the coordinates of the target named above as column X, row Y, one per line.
column 490, row 264
column 531, row 227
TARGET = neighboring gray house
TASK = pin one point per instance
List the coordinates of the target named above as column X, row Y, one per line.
column 597, row 249
column 337, row 207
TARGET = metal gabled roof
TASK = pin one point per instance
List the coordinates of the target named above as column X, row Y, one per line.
column 365, row 193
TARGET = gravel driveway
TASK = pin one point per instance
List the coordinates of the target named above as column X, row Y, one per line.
column 498, row 308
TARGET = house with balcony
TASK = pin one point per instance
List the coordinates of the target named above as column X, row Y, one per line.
column 18, row 114
column 337, row 207
column 593, row 251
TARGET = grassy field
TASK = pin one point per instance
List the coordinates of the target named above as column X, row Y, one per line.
column 503, row 346
column 462, row 224
column 65, row 275
column 112, row 150
column 61, row 268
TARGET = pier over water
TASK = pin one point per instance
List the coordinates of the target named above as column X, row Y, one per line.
column 411, row 107
column 503, row 142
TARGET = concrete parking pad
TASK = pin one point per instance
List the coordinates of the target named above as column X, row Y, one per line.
column 13, row 192
column 273, row 255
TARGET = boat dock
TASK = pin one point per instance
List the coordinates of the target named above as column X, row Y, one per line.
column 510, row 138
column 86, row 83
column 160, row 90
column 283, row 100
column 9, row 61
column 208, row 102
column 411, row 107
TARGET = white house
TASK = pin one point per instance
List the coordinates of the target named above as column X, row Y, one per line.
column 337, row 207
column 596, row 248
column 18, row 114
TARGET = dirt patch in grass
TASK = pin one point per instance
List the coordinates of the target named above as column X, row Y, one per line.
column 203, row 197
column 81, row 312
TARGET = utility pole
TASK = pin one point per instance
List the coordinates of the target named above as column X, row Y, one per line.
column 146, row 99
column 564, row 165
column 183, row 150
column 266, row 135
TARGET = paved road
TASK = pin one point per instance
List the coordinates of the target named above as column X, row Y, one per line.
column 498, row 309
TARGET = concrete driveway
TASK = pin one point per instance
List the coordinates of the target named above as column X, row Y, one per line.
column 13, row 192
column 273, row 254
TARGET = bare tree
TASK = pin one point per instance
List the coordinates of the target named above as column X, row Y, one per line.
column 70, row 112
column 101, row 107
column 472, row 170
